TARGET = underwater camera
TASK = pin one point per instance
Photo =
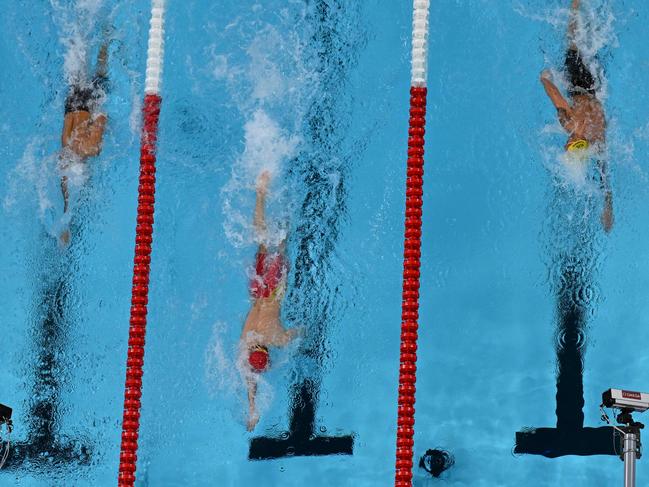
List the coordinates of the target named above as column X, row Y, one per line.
column 621, row 399
column 5, row 433
column 628, row 436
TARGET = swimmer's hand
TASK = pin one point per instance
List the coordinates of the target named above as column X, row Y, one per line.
column 262, row 183
column 607, row 214
column 253, row 419
column 546, row 74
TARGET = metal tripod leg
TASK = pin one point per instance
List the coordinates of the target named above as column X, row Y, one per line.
column 630, row 453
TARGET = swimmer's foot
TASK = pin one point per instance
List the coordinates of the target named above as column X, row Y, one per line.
column 64, row 238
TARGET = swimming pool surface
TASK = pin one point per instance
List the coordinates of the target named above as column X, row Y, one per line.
column 316, row 91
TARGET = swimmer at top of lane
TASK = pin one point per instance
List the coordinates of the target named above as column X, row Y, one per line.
column 583, row 116
column 263, row 327
column 83, row 126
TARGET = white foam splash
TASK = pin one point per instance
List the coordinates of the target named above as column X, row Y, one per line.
column 264, row 73
column 220, row 372
column 219, row 66
column 576, row 173
column 37, row 170
column 76, row 23
column 267, row 147
column 275, row 77
column 36, row 178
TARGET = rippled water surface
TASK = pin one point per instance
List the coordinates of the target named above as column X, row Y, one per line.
column 528, row 310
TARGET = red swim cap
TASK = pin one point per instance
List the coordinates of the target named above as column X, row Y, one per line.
column 258, row 359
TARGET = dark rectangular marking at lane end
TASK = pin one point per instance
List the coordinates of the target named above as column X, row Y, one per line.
column 553, row 442
column 301, row 439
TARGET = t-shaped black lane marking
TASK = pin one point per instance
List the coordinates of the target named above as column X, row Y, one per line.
column 47, row 456
column 44, row 444
column 301, row 439
column 554, row 442
column 570, row 437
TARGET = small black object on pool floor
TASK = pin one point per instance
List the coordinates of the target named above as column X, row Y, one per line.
column 5, row 414
column 436, row 461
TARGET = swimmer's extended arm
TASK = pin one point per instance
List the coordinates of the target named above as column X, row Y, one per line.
column 560, row 103
column 572, row 23
column 259, row 220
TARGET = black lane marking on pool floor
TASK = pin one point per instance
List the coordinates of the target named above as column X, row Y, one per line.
column 570, row 437
column 45, row 445
column 301, row 439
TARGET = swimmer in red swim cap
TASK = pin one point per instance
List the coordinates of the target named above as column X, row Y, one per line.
column 263, row 327
column 258, row 358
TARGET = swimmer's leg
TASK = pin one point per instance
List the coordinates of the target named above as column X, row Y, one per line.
column 579, row 74
column 64, row 237
column 606, row 217
column 66, row 193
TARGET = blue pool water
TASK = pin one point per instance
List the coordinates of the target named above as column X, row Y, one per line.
column 317, row 92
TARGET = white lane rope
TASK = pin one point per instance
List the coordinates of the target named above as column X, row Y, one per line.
column 420, row 14
column 155, row 52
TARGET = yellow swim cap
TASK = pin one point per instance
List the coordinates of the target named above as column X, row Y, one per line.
column 579, row 144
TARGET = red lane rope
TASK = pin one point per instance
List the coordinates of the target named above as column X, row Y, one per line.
column 140, row 292
column 410, row 296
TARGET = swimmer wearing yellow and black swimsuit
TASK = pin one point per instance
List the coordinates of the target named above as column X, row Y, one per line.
column 583, row 117
column 83, row 126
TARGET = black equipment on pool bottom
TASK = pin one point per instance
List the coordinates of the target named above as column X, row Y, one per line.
column 436, row 461
column 5, row 420
column 627, row 402
column 5, row 414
